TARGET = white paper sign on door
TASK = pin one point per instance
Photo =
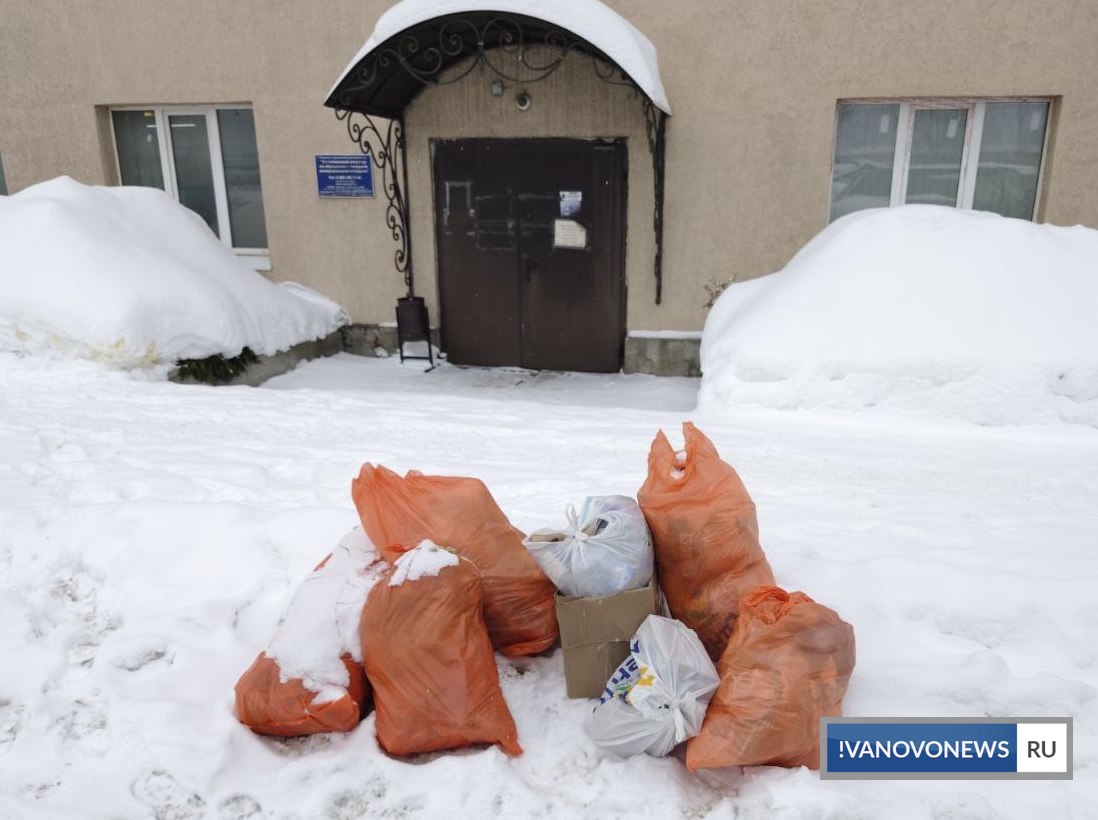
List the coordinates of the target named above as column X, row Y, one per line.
column 567, row 233
column 571, row 202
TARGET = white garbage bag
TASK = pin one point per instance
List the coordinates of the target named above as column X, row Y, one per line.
column 604, row 550
column 658, row 696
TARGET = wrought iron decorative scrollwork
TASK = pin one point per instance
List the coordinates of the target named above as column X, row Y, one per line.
column 536, row 57
column 384, row 144
column 655, row 122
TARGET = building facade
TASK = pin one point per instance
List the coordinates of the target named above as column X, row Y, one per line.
column 784, row 115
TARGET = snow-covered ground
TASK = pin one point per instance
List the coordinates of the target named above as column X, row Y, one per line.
column 151, row 534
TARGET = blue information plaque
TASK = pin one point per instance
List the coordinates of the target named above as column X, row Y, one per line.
column 344, row 175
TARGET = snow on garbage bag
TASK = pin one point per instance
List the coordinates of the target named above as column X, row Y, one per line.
column 787, row 666
column 429, row 660
column 657, row 697
column 705, row 535
column 605, row 550
column 460, row 513
column 310, row 678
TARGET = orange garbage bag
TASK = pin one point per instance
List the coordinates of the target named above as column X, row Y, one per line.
column 787, row 666
column 461, row 513
column 269, row 706
column 429, row 659
column 705, row 535
column 310, row 679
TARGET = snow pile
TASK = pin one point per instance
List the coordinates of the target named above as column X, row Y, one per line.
column 428, row 559
column 129, row 277
column 315, row 633
column 926, row 310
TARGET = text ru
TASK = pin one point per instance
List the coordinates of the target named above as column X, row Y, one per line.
column 1036, row 748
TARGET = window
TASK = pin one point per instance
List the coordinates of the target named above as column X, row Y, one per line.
column 981, row 154
column 206, row 158
column 3, row 182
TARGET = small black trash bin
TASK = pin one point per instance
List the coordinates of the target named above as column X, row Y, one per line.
column 413, row 326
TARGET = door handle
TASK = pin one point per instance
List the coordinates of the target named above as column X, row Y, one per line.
column 529, row 266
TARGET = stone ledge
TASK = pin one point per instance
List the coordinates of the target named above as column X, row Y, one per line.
column 275, row 365
column 364, row 340
column 662, row 356
column 656, row 355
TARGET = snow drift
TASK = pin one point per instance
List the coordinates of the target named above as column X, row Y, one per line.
column 129, row 277
column 923, row 309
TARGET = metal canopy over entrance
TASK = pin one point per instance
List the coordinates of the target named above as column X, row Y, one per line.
column 418, row 43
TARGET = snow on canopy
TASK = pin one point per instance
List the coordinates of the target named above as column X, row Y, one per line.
column 925, row 309
column 129, row 277
column 596, row 23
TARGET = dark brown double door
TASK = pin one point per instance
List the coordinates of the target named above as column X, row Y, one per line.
column 531, row 252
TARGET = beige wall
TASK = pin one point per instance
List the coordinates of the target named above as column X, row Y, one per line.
column 753, row 85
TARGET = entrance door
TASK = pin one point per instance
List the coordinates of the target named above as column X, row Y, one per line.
column 531, row 252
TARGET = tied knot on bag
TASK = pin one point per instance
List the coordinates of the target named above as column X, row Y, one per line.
column 573, row 522
column 661, row 700
column 682, row 731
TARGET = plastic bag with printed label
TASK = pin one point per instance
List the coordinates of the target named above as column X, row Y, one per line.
column 310, row 678
column 606, row 549
column 658, row 696
column 705, row 534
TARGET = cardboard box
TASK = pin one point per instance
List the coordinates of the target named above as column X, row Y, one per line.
column 595, row 634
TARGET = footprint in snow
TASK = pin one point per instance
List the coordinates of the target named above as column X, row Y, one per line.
column 11, row 721
column 353, row 805
column 239, row 807
column 297, row 746
column 349, row 805
column 76, row 587
column 86, row 727
column 140, row 657
column 167, row 798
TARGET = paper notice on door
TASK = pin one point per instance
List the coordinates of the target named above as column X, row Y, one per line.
column 567, row 233
column 571, row 203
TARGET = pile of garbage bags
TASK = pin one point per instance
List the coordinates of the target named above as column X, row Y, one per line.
column 406, row 615
column 440, row 581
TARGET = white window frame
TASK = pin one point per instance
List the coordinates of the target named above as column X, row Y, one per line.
column 976, row 108
column 257, row 258
column 905, row 128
